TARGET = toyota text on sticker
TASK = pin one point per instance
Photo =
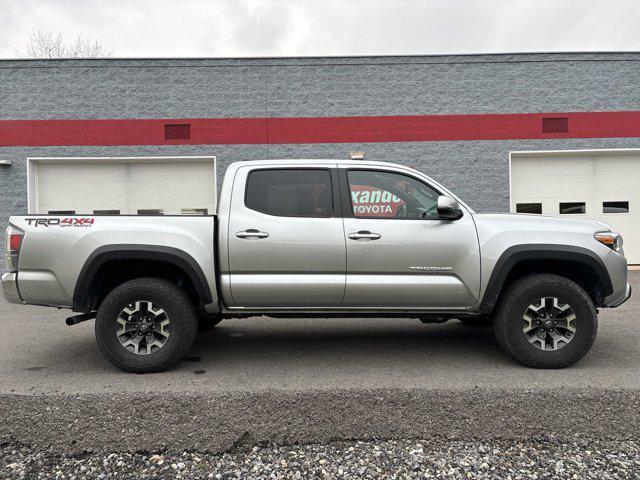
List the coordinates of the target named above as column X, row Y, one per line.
column 372, row 201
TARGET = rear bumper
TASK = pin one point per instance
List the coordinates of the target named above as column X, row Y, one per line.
column 10, row 287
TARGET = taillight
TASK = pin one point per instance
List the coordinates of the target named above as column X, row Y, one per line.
column 14, row 238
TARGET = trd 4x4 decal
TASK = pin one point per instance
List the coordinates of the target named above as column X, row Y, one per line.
column 61, row 222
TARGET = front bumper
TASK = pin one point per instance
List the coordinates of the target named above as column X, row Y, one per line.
column 621, row 299
column 10, row 287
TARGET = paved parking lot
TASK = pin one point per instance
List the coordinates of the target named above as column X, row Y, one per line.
column 260, row 380
column 40, row 354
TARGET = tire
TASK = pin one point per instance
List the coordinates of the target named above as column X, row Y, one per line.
column 522, row 298
column 171, row 340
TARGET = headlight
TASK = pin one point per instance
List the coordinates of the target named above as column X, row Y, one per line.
column 610, row 239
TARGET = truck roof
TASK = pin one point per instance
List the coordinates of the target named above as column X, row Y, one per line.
column 318, row 161
column 353, row 163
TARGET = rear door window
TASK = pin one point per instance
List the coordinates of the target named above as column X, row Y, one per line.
column 304, row 192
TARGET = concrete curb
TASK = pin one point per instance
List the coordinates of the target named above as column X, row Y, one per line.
column 219, row 422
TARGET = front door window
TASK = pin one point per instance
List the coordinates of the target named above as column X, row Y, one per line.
column 378, row 194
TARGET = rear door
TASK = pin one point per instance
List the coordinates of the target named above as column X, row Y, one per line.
column 286, row 238
column 399, row 253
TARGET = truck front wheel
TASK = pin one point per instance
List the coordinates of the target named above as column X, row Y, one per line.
column 146, row 325
column 545, row 321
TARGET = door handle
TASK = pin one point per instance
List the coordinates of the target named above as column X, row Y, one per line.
column 364, row 235
column 252, row 233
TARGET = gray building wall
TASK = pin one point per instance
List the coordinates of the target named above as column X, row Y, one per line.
column 324, row 87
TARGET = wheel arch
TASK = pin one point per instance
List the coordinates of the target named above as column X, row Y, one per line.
column 91, row 287
column 576, row 263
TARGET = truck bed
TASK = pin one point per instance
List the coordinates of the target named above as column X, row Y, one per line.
column 57, row 249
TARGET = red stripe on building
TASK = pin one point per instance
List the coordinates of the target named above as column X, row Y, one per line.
column 410, row 128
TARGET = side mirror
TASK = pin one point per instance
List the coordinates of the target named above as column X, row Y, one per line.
column 448, row 208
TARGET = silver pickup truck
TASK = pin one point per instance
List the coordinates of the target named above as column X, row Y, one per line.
column 324, row 238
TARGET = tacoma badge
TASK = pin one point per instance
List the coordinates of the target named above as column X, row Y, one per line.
column 432, row 269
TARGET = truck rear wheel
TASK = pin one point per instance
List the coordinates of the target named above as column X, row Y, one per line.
column 546, row 321
column 146, row 325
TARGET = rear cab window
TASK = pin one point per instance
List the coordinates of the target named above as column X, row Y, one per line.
column 290, row 192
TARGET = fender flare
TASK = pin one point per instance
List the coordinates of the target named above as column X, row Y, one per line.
column 104, row 254
column 518, row 253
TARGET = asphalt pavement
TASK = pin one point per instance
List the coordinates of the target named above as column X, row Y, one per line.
column 264, row 381
column 40, row 354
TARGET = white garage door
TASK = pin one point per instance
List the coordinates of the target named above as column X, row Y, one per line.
column 601, row 185
column 162, row 186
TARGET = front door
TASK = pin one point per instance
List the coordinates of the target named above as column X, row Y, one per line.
column 399, row 253
column 286, row 239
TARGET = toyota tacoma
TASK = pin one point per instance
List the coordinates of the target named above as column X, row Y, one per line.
column 322, row 238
